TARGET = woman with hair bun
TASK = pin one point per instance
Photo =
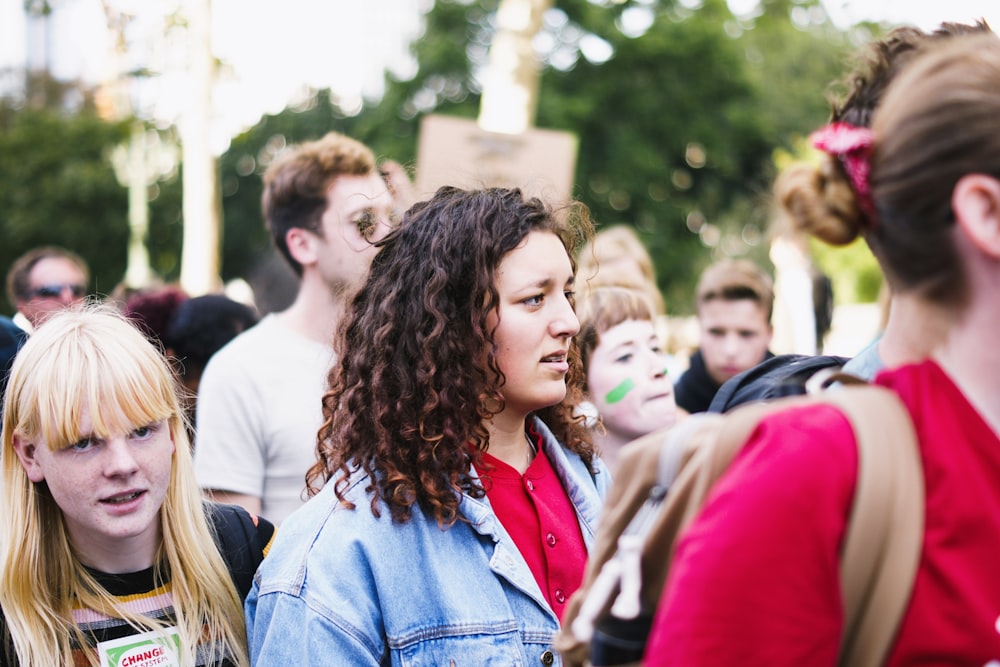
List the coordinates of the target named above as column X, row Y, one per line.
column 756, row 578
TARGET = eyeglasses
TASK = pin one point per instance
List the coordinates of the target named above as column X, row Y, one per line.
column 56, row 290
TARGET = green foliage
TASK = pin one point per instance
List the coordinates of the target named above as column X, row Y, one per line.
column 853, row 269
column 665, row 131
column 676, row 130
column 57, row 187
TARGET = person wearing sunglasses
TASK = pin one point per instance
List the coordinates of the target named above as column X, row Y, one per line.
column 43, row 281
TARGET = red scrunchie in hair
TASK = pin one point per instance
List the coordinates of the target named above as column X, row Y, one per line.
column 852, row 145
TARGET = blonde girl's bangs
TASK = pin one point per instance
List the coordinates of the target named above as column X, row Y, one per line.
column 110, row 370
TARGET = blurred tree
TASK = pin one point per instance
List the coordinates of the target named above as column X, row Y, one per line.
column 677, row 107
column 57, row 184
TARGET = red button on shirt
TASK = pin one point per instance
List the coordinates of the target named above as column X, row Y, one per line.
column 536, row 511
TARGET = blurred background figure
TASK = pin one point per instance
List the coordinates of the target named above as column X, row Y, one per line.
column 43, row 281
column 11, row 339
column 200, row 327
column 803, row 295
column 151, row 310
column 616, row 255
column 734, row 302
column 325, row 205
column 629, row 389
column 188, row 330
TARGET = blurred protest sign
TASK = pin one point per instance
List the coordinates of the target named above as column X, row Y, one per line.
column 456, row 151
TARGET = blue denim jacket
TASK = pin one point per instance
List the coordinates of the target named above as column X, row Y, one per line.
column 341, row 587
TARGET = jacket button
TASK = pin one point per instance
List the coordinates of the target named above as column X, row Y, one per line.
column 560, row 596
column 548, row 658
column 550, row 539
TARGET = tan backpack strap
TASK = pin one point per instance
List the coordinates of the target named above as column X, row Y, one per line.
column 885, row 533
column 715, row 443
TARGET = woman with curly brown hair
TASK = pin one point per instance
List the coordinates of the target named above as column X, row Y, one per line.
column 456, row 495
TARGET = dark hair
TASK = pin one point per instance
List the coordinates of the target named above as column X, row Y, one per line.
column 880, row 62
column 200, row 327
column 296, row 185
column 152, row 309
column 18, row 276
column 417, row 373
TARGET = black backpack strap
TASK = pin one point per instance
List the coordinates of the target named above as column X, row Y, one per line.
column 242, row 539
column 775, row 377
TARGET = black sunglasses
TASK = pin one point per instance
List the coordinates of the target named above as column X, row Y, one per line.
column 54, row 291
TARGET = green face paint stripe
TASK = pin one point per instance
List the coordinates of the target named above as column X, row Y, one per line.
column 619, row 392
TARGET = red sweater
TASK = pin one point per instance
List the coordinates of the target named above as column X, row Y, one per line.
column 756, row 578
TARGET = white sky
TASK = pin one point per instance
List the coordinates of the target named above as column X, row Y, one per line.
column 274, row 48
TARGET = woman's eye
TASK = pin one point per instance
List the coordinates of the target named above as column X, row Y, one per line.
column 83, row 444
column 144, row 432
column 570, row 296
column 624, row 358
column 534, row 300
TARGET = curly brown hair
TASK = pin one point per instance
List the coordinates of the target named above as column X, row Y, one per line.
column 410, row 394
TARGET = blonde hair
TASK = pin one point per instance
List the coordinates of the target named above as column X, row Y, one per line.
column 599, row 263
column 94, row 358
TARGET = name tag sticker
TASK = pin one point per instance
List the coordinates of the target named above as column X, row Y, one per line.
column 156, row 648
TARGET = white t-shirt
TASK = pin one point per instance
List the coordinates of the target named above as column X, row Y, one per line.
column 258, row 411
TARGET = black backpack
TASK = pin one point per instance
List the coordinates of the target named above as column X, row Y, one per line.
column 783, row 375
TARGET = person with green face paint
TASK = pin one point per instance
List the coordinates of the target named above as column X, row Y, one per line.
column 626, row 367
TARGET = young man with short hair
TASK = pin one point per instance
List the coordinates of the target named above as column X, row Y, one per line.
column 734, row 301
column 258, row 411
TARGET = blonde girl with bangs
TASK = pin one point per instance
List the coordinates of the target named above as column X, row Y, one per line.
column 109, row 552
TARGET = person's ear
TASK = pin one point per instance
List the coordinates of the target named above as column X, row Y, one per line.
column 976, row 204
column 26, row 455
column 301, row 245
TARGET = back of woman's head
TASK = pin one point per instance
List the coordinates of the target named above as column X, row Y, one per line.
column 937, row 123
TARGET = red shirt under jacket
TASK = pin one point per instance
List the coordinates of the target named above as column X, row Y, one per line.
column 535, row 510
